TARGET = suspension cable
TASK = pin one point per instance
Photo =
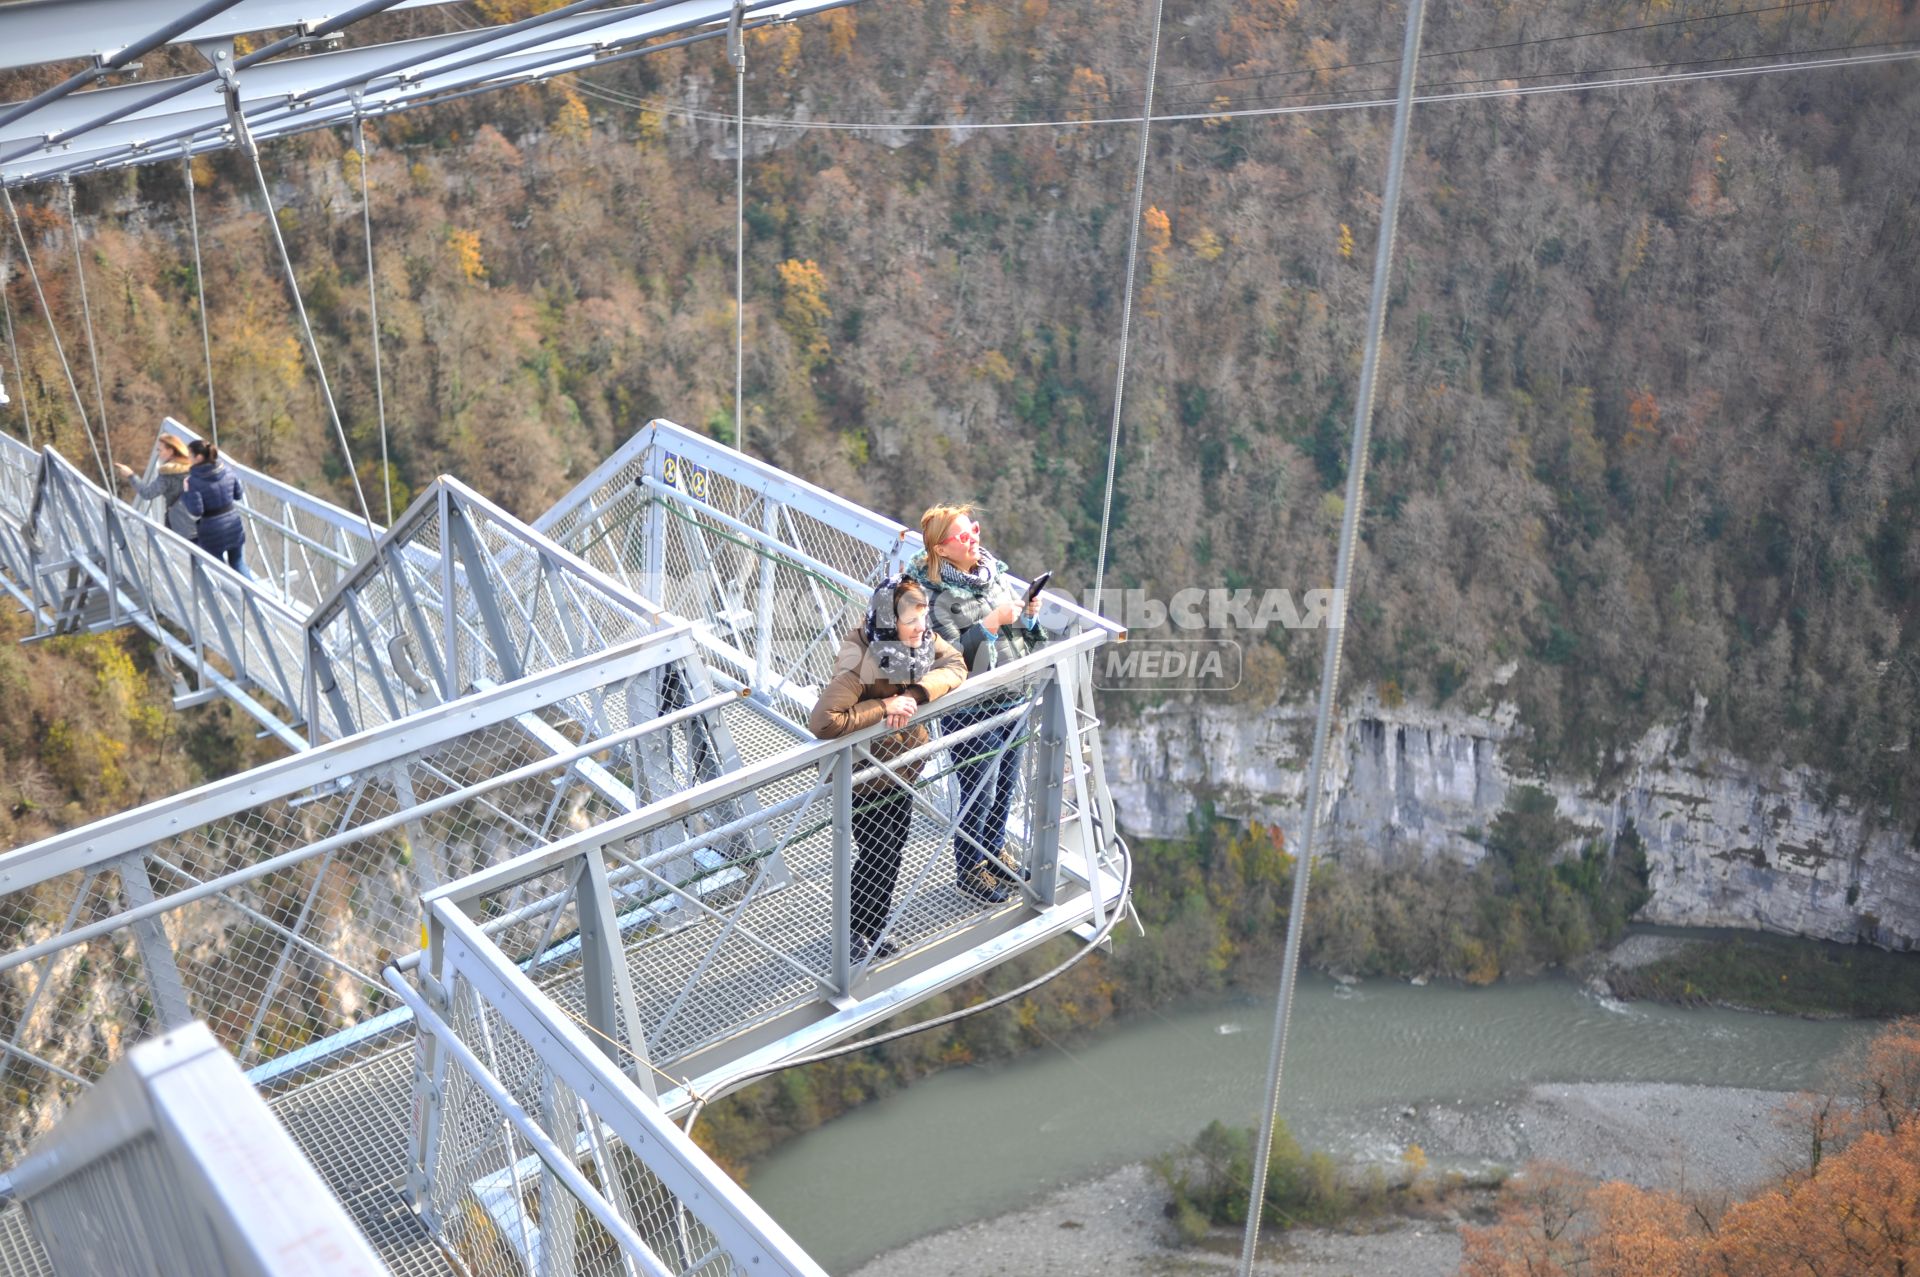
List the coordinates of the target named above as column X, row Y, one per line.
column 373, row 307
column 1126, row 302
column 1336, row 620
column 737, row 54
column 252, row 152
column 86, row 313
column 59, row 348
column 200, row 286
column 13, row 349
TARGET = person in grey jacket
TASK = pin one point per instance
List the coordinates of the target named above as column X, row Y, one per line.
column 976, row 608
column 169, row 483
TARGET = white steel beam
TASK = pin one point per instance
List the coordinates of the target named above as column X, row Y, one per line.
column 34, row 31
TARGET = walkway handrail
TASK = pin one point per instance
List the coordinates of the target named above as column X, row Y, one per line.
column 327, row 765
column 483, row 987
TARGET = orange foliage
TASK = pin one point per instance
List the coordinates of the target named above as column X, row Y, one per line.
column 1857, row 1213
column 1086, row 94
column 465, row 245
column 1855, row 406
column 1859, row 1216
column 1159, row 230
column 841, row 25
column 1643, row 418
column 804, row 309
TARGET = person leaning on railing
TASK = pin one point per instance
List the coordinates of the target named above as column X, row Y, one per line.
column 975, row 607
column 169, row 483
column 890, row 665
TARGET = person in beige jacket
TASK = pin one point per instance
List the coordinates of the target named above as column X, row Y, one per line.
column 890, row 665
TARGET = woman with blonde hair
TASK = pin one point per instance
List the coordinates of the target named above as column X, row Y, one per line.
column 169, row 482
column 976, row 608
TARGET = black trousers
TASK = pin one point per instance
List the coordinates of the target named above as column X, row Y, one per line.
column 880, row 824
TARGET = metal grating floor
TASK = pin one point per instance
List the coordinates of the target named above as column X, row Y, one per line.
column 352, row 1124
column 20, row 1253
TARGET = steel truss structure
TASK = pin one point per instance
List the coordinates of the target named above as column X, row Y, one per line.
column 286, row 86
column 553, row 856
column 556, row 856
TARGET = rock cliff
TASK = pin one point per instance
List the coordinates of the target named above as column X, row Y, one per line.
column 1729, row 843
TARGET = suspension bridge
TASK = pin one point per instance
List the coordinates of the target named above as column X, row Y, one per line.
column 552, row 860
column 574, row 757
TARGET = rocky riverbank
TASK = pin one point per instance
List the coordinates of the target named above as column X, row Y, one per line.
column 1713, row 1140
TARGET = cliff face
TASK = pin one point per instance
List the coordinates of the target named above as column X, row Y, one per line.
column 1729, row 843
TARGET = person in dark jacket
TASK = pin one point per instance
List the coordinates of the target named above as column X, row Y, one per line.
column 169, row 483
column 976, row 608
column 213, row 497
column 888, row 666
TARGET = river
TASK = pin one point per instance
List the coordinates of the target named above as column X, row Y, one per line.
column 975, row 1142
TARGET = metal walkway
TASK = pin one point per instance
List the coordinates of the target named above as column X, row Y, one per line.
column 556, row 856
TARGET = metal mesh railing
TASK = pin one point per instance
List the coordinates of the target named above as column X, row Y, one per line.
column 84, row 555
column 174, row 1165
column 535, row 1154
column 461, row 595
column 783, row 884
column 773, row 569
column 271, row 914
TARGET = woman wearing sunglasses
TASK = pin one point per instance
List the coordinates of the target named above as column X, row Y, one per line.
column 976, row 608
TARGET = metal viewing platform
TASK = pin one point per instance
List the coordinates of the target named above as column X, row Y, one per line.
column 554, row 858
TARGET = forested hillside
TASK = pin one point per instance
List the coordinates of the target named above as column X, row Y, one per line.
column 1648, row 417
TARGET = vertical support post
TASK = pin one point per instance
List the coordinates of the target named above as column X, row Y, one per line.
column 653, row 573
column 426, row 851
column 112, row 564
column 1093, row 801
column 150, row 937
column 429, row 1077
column 843, row 872
column 322, row 681
column 449, row 612
column 458, row 532
column 611, row 1008
column 763, row 612
column 1050, row 764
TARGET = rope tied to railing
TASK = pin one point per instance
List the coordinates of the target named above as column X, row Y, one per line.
column 685, row 1084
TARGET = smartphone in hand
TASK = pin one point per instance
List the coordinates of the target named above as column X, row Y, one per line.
column 1039, row 584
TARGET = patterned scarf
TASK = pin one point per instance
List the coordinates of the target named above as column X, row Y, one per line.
column 895, row 661
column 977, row 580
